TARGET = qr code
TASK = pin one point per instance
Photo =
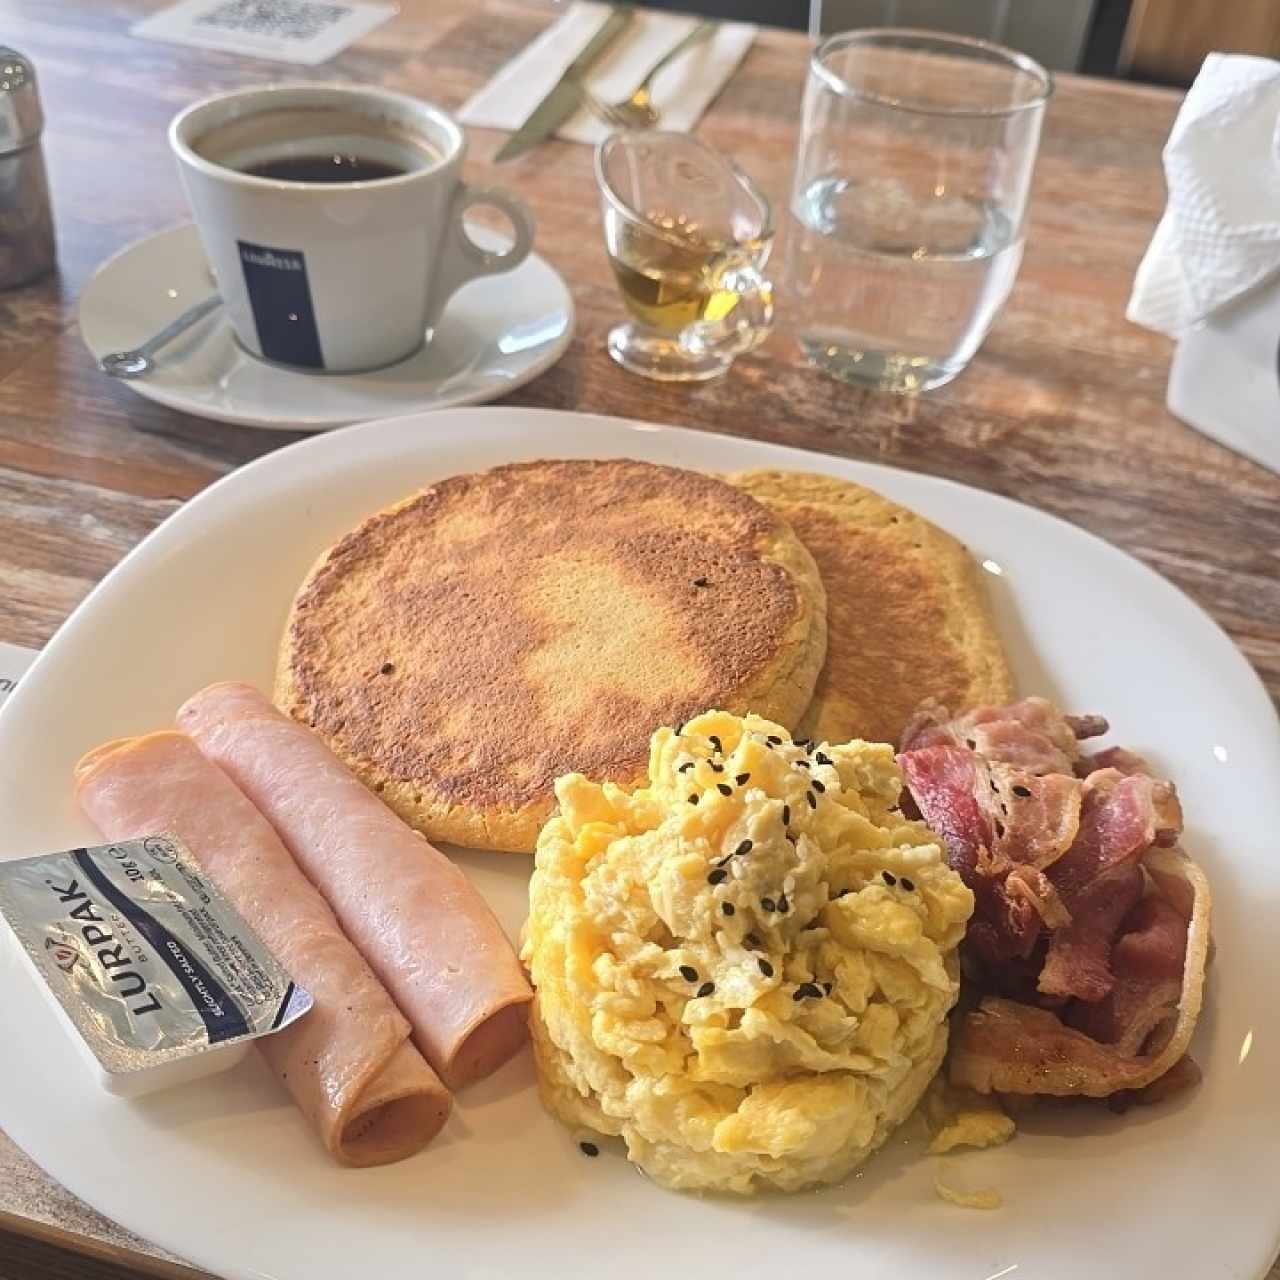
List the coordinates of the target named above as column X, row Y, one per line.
column 283, row 19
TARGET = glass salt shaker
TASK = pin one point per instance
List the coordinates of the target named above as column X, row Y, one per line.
column 26, row 222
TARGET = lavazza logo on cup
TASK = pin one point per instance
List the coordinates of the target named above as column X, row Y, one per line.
column 332, row 217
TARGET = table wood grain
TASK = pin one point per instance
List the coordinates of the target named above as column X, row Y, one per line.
column 1063, row 408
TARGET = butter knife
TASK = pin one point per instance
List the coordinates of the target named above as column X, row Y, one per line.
column 566, row 96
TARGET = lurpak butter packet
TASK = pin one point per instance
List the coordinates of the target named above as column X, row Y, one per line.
column 161, row 978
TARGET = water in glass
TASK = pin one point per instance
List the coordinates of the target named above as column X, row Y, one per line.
column 895, row 290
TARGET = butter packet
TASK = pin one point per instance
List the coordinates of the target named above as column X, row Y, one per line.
column 160, row 977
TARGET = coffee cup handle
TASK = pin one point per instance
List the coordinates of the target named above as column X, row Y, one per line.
column 463, row 259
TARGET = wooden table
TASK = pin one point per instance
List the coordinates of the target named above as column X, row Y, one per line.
column 1063, row 408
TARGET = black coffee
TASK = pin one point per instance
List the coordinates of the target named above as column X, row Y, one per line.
column 333, row 167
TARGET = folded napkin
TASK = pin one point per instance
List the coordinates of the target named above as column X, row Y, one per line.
column 681, row 93
column 1220, row 234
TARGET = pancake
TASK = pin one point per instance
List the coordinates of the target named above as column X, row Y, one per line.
column 463, row 648
column 907, row 614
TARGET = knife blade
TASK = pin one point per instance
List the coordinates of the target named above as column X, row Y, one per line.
column 565, row 96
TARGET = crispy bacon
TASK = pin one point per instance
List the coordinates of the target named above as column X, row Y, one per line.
column 1031, row 734
column 995, row 820
column 1080, row 936
column 1033, row 886
column 1007, row 1047
column 1147, row 960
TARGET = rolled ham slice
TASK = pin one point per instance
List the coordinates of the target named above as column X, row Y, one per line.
column 416, row 918
column 349, row 1063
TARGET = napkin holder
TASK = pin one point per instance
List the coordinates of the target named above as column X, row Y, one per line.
column 1225, row 376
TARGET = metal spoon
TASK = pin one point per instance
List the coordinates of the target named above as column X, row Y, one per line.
column 138, row 363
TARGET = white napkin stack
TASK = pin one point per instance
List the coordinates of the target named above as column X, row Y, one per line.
column 1211, row 275
column 1220, row 235
column 681, row 93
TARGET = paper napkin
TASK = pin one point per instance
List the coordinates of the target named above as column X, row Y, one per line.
column 1220, row 234
column 681, row 93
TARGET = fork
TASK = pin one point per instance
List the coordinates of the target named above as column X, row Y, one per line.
column 636, row 110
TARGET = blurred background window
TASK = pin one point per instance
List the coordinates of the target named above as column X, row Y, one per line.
column 1163, row 41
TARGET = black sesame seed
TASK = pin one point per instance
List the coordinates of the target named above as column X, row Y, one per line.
column 688, row 973
column 995, row 786
column 715, row 742
column 744, row 847
column 807, row 990
column 889, row 878
column 724, row 788
column 773, row 740
column 765, row 967
column 715, row 768
column 806, row 743
column 706, row 989
column 768, row 904
column 822, row 758
column 908, row 885
column 387, row 668
column 1020, row 790
column 750, row 940
column 802, row 764
column 783, row 905
column 819, row 786
column 693, row 799
column 742, row 779
column 699, row 582
column 718, row 876
column 589, row 1149
column 812, row 799
column 684, row 768
column 727, row 908
column 826, row 988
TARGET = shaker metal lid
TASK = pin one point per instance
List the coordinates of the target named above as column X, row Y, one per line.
column 21, row 119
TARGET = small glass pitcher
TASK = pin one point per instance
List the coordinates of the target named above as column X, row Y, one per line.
column 687, row 234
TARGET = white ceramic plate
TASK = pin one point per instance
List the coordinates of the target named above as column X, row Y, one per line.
column 227, row 1174
column 497, row 333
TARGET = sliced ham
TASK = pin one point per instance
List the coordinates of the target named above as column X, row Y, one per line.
column 427, row 933
column 348, row 1063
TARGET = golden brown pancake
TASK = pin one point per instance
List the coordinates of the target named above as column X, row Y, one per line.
column 907, row 616
column 463, row 648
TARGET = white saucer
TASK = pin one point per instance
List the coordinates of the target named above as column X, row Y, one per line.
column 497, row 333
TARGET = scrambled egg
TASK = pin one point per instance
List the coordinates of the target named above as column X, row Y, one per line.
column 964, row 1118
column 744, row 968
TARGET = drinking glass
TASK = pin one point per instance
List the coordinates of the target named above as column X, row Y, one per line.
column 915, row 160
column 687, row 234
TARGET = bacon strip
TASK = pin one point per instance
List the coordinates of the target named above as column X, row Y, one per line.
column 1007, row 1047
column 1148, row 960
column 1121, row 817
column 416, row 918
column 1031, row 734
column 1090, row 928
column 348, row 1063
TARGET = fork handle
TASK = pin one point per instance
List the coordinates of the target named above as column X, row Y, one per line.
column 701, row 32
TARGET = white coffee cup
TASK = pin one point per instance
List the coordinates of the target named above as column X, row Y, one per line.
column 335, row 276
